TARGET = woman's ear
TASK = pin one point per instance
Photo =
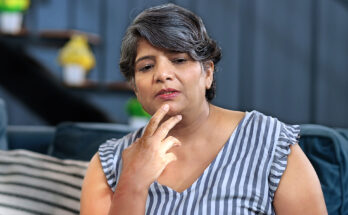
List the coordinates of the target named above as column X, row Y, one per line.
column 209, row 73
column 133, row 86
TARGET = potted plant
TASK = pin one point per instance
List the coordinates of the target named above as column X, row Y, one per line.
column 76, row 59
column 138, row 117
column 11, row 15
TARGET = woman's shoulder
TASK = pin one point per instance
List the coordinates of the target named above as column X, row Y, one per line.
column 125, row 141
column 113, row 148
column 226, row 116
column 230, row 115
column 262, row 126
column 248, row 117
column 110, row 154
column 290, row 131
column 283, row 133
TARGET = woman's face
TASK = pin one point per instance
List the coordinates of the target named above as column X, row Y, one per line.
column 162, row 76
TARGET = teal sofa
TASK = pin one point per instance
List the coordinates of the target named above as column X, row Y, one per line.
column 327, row 149
column 68, row 140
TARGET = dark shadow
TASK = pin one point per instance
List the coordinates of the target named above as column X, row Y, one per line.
column 344, row 3
column 37, row 88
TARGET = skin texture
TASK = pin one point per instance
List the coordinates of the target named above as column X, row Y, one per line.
column 299, row 190
column 157, row 69
column 183, row 136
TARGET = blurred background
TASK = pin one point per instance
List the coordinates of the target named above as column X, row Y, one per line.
column 288, row 59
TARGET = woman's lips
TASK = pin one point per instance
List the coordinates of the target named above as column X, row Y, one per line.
column 167, row 93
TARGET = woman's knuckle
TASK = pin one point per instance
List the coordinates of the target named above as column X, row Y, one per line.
column 149, row 126
column 165, row 127
column 148, row 140
column 154, row 120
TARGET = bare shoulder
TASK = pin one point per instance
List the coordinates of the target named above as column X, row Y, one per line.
column 228, row 115
column 96, row 195
column 225, row 121
column 299, row 191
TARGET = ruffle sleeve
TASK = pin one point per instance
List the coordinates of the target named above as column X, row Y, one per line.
column 289, row 135
column 110, row 154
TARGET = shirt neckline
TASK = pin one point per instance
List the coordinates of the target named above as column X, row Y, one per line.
column 207, row 169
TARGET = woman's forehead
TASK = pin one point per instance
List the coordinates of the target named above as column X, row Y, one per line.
column 144, row 48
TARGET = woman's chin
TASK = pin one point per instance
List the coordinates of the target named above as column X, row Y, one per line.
column 173, row 113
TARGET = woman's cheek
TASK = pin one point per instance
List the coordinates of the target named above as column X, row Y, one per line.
column 148, row 107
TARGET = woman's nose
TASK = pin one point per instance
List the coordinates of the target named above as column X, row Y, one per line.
column 164, row 72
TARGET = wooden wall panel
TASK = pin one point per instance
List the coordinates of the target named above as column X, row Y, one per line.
column 332, row 70
column 284, row 58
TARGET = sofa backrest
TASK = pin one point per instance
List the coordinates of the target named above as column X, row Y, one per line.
column 80, row 141
column 327, row 150
column 34, row 138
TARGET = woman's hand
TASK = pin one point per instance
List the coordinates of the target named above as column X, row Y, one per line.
column 147, row 157
column 143, row 162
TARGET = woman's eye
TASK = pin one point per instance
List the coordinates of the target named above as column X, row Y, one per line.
column 179, row 60
column 146, row 68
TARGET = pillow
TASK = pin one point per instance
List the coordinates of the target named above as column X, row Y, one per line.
column 33, row 183
column 80, row 141
column 3, row 125
column 328, row 152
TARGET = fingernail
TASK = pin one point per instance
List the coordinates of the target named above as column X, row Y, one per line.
column 179, row 117
column 165, row 107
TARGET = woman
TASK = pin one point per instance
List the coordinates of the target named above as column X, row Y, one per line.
column 194, row 157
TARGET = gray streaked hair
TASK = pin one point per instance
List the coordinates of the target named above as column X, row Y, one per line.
column 173, row 28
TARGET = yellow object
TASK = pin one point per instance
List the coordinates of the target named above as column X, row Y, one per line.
column 14, row 5
column 77, row 51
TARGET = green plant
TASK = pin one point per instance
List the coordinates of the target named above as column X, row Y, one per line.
column 134, row 108
column 14, row 5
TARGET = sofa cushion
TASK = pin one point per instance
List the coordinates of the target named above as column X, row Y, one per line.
column 328, row 152
column 81, row 141
column 3, row 125
column 33, row 183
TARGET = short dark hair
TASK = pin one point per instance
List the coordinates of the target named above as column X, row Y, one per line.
column 173, row 28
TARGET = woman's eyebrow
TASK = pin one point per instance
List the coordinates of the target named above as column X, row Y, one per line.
column 144, row 58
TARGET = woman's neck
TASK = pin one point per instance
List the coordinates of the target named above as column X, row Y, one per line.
column 193, row 122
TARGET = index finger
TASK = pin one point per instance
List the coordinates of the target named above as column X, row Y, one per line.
column 155, row 120
column 165, row 127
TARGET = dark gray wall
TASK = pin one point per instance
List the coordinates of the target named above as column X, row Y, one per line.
column 285, row 58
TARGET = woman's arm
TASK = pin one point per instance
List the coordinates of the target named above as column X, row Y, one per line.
column 299, row 190
column 142, row 163
column 96, row 195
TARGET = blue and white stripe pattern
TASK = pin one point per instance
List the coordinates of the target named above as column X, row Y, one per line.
column 33, row 183
column 242, row 179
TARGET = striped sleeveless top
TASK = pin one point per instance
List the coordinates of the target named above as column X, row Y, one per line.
column 242, row 179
